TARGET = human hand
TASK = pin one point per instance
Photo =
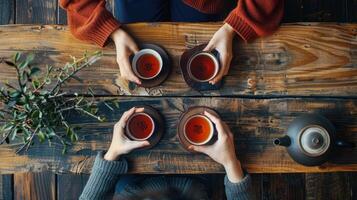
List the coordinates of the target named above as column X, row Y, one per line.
column 121, row 144
column 222, row 41
column 223, row 150
column 125, row 46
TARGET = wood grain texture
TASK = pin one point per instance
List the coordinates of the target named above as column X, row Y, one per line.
column 6, row 186
column 70, row 186
column 283, row 186
column 255, row 124
column 7, row 9
column 36, row 12
column 308, row 59
column 34, row 186
column 61, row 15
column 328, row 186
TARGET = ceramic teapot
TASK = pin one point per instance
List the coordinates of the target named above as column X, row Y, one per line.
column 310, row 139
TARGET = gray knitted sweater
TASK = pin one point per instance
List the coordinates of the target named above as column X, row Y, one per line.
column 105, row 174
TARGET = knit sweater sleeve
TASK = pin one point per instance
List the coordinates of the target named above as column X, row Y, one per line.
column 238, row 191
column 103, row 177
column 255, row 18
column 89, row 20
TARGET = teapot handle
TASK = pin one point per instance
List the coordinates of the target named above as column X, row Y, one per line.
column 344, row 144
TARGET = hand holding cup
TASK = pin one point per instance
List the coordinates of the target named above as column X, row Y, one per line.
column 121, row 144
column 223, row 150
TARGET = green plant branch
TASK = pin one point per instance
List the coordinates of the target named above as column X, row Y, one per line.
column 35, row 110
column 28, row 142
column 85, row 64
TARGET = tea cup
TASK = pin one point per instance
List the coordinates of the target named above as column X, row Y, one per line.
column 140, row 126
column 203, row 66
column 198, row 129
column 147, row 64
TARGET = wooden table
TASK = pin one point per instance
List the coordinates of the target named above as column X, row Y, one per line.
column 301, row 68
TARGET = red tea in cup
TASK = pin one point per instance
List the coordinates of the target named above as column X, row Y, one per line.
column 140, row 126
column 203, row 67
column 147, row 64
column 198, row 130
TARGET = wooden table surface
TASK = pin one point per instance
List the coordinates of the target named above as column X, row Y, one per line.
column 301, row 68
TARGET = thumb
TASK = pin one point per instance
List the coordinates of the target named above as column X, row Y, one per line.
column 209, row 47
column 139, row 144
column 201, row 149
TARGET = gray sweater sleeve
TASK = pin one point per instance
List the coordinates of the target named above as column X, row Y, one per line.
column 103, row 177
column 238, row 191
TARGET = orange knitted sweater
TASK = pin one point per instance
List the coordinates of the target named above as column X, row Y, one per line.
column 89, row 20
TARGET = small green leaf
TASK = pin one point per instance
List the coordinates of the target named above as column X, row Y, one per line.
column 93, row 110
column 69, row 131
column 14, row 94
column 35, row 114
column 116, row 104
column 51, row 132
column 35, row 84
column 23, row 64
column 41, row 136
column 74, row 137
column 7, row 127
column 13, row 133
column 64, row 150
column 35, row 71
column 17, row 56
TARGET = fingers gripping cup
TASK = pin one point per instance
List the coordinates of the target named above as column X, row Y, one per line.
column 198, row 130
column 147, row 64
column 140, row 126
column 203, row 67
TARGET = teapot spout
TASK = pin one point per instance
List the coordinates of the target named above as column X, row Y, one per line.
column 282, row 141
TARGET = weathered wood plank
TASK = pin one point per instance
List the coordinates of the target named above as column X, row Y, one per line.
column 34, row 186
column 300, row 59
column 7, row 12
column 61, row 15
column 283, row 186
column 255, row 124
column 36, row 12
column 70, row 186
column 6, row 186
column 328, row 186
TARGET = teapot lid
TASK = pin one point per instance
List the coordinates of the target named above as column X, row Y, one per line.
column 314, row 140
